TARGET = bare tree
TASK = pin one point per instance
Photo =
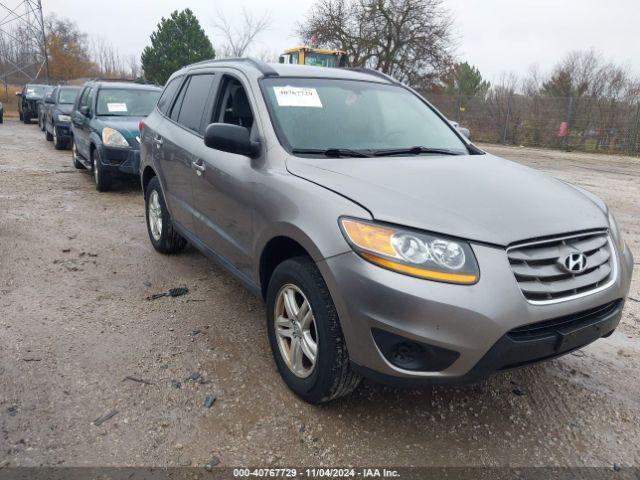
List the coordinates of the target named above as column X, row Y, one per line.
column 409, row 39
column 238, row 39
column 110, row 63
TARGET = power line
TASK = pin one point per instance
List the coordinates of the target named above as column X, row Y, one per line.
column 23, row 51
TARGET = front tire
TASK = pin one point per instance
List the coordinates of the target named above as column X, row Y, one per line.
column 74, row 155
column 101, row 177
column 305, row 334
column 58, row 143
column 48, row 136
column 164, row 237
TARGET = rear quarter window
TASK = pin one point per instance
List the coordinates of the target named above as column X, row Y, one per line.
column 164, row 103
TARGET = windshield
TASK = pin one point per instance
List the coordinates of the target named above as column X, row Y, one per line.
column 321, row 59
column 38, row 90
column 321, row 114
column 68, row 95
column 123, row 102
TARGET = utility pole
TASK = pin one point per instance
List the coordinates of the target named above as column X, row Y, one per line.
column 23, row 55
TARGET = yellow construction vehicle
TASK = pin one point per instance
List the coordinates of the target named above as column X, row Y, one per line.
column 318, row 57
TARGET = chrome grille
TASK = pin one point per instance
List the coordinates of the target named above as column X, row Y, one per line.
column 539, row 271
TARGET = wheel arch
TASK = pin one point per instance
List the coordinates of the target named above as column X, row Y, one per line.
column 275, row 251
column 147, row 174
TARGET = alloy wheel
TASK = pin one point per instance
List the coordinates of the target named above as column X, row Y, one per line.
column 155, row 215
column 296, row 332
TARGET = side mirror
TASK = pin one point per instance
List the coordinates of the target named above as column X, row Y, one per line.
column 49, row 100
column 84, row 111
column 232, row 139
column 18, row 94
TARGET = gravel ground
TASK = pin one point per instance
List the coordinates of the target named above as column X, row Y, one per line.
column 76, row 267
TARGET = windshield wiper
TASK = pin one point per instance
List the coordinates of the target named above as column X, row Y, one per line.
column 414, row 151
column 331, row 152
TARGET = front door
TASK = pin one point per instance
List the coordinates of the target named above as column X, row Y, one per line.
column 81, row 124
column 223, row 190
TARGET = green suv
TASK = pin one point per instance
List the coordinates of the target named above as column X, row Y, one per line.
column 104, row 127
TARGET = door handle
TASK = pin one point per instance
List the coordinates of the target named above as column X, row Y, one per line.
column 199, row 166
column 157, row 140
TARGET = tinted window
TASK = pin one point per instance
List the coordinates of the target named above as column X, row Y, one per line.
column 167, row 96
column 194, row 103
column 175, row 111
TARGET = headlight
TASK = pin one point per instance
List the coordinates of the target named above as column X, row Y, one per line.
column 113, row 138
column 422, row 255
column 64, row 118
column 616, row 234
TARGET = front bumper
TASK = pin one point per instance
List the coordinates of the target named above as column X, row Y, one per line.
column 471, row 320
column 63, row 130
column 120, row 160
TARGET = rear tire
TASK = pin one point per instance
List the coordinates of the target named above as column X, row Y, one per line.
column 331, row 375
column 164, row 237
column 41, row 123
column 26, row 120
column 101, row 177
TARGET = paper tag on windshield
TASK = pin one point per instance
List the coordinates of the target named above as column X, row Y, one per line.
column 297, row 97
column 116, row 107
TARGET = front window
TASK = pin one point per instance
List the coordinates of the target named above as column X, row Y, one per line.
column 67, row 96
column 123, row 102
column 326, row 114
column 321, row 59
column 38, row 90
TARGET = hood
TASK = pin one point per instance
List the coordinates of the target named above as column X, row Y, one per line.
column 476, row 197
column 127, row 126
column 64, row 108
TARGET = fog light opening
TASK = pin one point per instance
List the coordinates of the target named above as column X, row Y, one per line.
column 414, row 356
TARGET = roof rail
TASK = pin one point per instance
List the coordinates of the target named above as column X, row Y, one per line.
column 375, row 73
column 263, row 67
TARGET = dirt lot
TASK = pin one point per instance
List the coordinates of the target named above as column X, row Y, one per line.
column 76, row 267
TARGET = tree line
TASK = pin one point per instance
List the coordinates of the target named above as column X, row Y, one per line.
column 585, row 101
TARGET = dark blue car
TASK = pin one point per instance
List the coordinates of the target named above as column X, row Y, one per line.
column 57, row 115
column 104, row 126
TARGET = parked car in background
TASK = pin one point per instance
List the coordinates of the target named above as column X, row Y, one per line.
column 464, row 131
column 57, row 115
column 104, row 126
column 42, row 106
column 384, row 243
column 30, row 100
column 1, row 113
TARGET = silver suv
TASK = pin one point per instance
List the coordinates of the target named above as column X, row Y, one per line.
column 383, row 242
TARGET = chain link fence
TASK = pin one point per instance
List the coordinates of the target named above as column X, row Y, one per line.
column 573, row 123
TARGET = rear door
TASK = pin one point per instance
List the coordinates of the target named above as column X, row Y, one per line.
column 223, row 191
column 180, row 143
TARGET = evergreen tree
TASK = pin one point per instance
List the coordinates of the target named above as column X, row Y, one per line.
column 178, row 41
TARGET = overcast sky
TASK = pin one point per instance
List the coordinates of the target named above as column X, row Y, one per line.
column 498, row 36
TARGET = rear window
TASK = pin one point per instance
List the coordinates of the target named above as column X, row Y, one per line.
column 167, row 96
